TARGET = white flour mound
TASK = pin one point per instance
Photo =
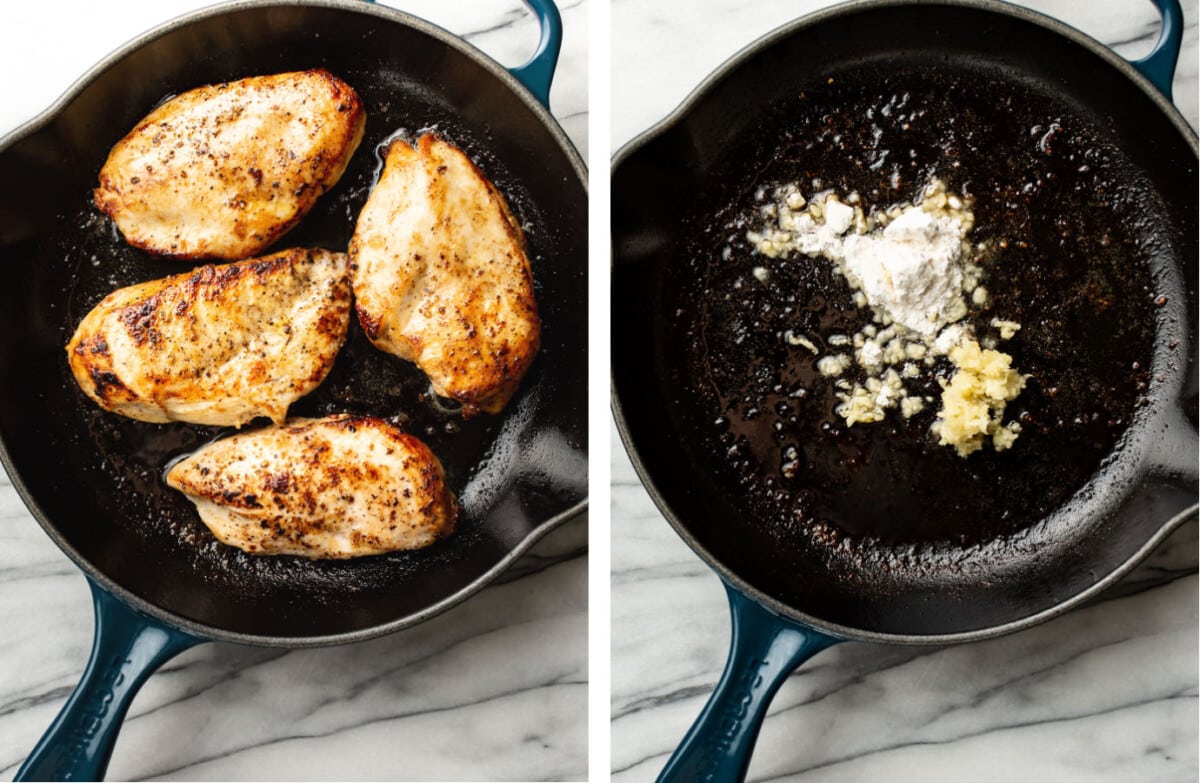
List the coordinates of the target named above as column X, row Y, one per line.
column 912, row 269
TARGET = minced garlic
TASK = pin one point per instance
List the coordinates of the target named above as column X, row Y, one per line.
column 973, row 401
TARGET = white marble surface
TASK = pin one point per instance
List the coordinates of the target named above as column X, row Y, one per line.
column 495, row 689
column 1106, row 693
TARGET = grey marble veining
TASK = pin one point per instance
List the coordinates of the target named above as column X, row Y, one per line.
column 1105, row 693
column 496, row 688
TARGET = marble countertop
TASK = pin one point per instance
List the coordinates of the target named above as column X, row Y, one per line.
column 494, row 689
column 1105, row 693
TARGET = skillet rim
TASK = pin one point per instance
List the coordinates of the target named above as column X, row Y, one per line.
column 785, row 612
column 213, row 633
column 856, row 6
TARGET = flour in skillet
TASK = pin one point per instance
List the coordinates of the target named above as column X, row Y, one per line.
column 910, row 263
column 912, row 266
column 913, row 269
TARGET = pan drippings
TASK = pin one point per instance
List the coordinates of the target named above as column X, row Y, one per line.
column 1068, row 268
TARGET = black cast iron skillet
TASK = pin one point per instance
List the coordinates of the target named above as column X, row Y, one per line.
column 93, row 480
column 874, row 532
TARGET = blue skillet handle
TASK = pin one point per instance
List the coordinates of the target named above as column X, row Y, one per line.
column 765, row 649
column 538, row 73
column 128, row 647
column 1159, row 65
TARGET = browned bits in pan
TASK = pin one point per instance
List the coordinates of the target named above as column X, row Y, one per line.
column 1069, row 270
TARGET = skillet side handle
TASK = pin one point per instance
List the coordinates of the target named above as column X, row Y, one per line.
column 538, row 73
column 1159, row 65
column 1176, row 455
column 764, row 650
column 127, row 648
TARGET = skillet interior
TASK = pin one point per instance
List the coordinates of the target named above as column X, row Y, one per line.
column 910, row 540
column 96, row 477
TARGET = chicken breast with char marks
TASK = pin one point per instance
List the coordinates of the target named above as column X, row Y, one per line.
column 223, row 171
column 220, row 345
column 441, row 277
column 338, row 487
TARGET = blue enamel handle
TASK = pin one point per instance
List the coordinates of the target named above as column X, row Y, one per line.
column 538, row 72
column 127, row 648
column 1159, row 65
column 764, row 650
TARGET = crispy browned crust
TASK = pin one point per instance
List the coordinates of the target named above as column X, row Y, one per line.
column 474, row 351
column 289, row 502
column 219, row 171
column 180, row 336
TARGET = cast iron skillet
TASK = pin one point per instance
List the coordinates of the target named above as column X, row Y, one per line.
column 93, row 480
column 908, row 544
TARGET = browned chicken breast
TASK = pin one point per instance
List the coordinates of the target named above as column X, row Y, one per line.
column 220, row 345
column 223, row 171
column 338, row 487
column 441, row 277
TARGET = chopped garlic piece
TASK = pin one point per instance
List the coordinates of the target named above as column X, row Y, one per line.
column 861, row 407
column 834, row 365
column 791, row 338
column 894, row 352
column 870, row 355
column 1003, row 438
column 1008, row 329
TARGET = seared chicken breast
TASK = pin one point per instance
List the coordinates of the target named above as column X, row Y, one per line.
column 220, row 345
column 338, row 487
column 441, row 277
column 223, row 171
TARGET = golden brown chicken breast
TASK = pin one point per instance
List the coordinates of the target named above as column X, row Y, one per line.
column 220, row 345
column 223, row 171
column 338, row 487
column 440, row 275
